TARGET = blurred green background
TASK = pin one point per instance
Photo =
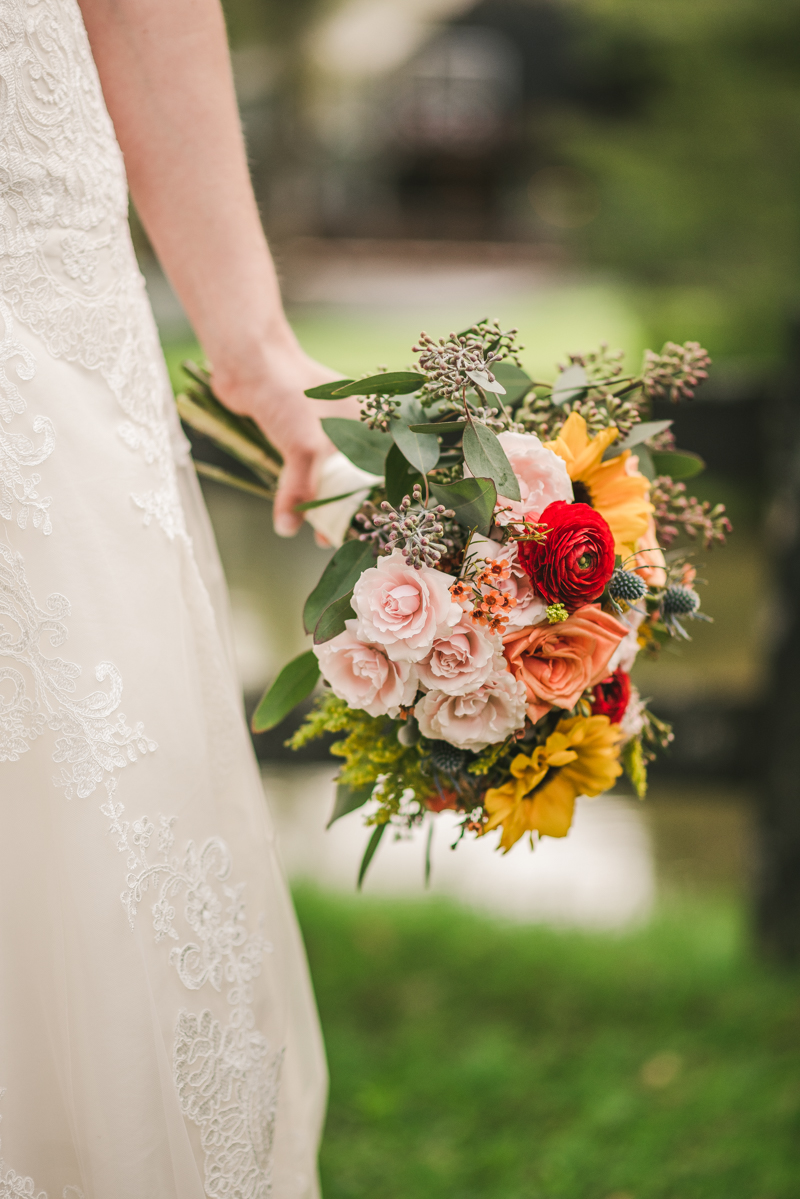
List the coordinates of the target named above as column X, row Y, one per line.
column 587, row 170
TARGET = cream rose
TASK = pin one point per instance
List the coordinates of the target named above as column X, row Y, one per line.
column 461, row 661
column 363, row 676
column 541, row 474
column 473, row 721
column 404, row 609
column 530, row 607
column 556, row 663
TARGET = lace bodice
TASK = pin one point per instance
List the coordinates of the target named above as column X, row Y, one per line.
column 67, row 266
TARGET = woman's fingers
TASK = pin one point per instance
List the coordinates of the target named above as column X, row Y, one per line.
column 295, row 486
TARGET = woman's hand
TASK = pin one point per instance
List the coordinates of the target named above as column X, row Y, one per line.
column 271, row 392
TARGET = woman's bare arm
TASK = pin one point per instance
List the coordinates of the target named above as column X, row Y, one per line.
column 165, row 71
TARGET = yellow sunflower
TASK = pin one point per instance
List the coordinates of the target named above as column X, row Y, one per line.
column 619, row 496
column 580, row 758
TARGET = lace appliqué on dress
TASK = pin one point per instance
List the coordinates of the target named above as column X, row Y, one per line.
column 67, row 266
column 226, row 1074
column 18, row 494
column 14, row 1186
column 94, row 738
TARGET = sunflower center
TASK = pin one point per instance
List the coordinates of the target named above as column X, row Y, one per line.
column 581, row 493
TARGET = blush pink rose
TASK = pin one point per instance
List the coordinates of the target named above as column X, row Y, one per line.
column 404, row 609
column 460, row 661
column 542, row 476
column 473, row 721
column 557, row 662
column 363, row 676
column 530, row 607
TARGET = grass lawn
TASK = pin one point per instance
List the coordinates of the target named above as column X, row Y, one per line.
column 474, row 1060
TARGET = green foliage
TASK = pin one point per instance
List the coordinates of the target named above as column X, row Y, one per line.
column 421, row 450
column 370, row 750
column 334, row 618
column 632, row 758
column 471, row 1058
column 681, row 464
column 338, row 578
column 487, row 459
column 472, row 500
column 296, row 681
column 364, row 447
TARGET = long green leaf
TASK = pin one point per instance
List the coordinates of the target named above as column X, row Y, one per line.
column 338, row 578
column 639, row 433
column 472, row 500
column 420, row 449
column 486, row 458
column 297, row 680
column 365, row 447
column 678, row 464
column 348, row 799
column 389, row 383
column 445, row 426
column 369, row 852
column 331, row 622
column 327, row 391
column 307, row 505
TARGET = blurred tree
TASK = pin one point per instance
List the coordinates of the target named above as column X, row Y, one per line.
column 687, row 117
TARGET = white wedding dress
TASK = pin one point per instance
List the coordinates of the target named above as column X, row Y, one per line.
column 158, row 1035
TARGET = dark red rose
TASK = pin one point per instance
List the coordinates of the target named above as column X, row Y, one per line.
column 611, row 696
column 576, row 559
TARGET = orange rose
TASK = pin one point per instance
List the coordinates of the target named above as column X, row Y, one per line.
column 557, row 662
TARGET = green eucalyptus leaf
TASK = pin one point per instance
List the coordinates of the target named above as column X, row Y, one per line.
column 348, row 799
column 328, row 391
column 389, row 383
column 446, row 426
column 570, row 384
column 516, row 382
column 400, row 476
column 365, row 447
column 482, row 380
column 486, row 459
column 678, row 464
column 420, row 449
column 369, row 852
column 472, row 500
column 639, row 433
column 331, row 622
column 297, row 680
column 646, row 466
column 338, row 578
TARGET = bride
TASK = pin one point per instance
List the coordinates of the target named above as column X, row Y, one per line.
column 158, row 1035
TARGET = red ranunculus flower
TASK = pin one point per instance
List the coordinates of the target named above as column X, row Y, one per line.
column 611, row 696
column 576, row 560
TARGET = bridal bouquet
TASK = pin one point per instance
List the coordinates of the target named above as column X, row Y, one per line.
column 503, row 556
